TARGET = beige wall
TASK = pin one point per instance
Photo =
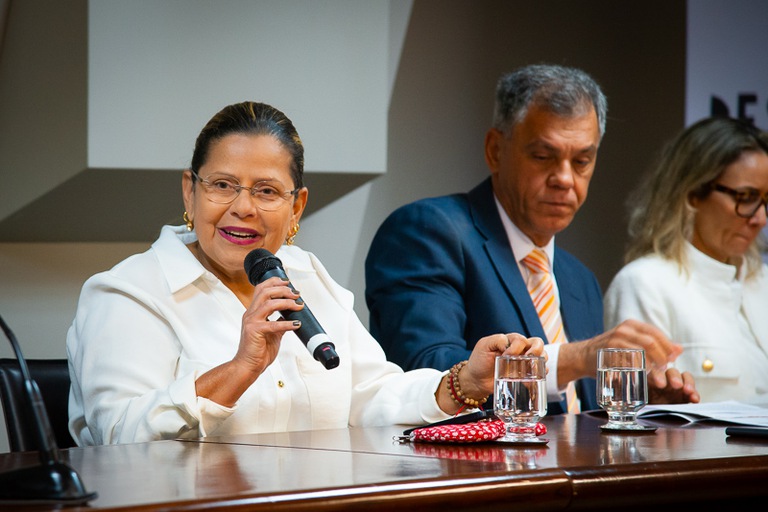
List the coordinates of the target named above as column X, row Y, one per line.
column 440, row 106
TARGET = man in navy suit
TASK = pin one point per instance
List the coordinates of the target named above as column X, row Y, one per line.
column 444, row 272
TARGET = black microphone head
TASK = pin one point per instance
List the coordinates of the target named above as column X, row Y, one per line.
column 259, row 261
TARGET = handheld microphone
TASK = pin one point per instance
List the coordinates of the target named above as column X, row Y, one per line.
column 52, row 481
column 260, row 265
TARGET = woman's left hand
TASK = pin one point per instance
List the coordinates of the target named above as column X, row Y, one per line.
column 476, row 377
column 671, row 387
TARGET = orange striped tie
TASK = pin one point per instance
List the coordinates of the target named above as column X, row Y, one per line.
column 542, row 290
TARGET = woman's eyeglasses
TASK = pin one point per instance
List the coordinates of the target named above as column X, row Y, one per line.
column 223, row 189
column 747, row 201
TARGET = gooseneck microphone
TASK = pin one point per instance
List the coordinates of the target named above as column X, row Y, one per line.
column 260, row 265
column 52, row 481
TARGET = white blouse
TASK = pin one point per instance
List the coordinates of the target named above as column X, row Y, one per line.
column 719, row 318
column 145, row 330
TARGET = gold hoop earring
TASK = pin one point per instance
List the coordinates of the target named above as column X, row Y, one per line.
column 292, row 234
column 188, row 221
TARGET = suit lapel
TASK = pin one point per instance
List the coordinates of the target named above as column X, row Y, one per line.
column 572, row 304
column 496, row 246
column 487, row 222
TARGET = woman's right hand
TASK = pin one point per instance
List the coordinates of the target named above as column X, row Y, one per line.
column 259, row 343
column 259, row 336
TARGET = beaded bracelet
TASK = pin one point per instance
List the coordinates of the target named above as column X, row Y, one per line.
column 455, row 389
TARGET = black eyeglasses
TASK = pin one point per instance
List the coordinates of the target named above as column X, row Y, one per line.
column 747, row 201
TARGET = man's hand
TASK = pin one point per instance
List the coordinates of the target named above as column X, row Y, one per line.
column 665, row 385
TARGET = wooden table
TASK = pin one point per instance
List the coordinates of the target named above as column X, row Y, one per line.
column 581, row 468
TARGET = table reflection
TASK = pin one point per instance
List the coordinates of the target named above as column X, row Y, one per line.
column 577, row 440
column 619, row 449
column 499, row 456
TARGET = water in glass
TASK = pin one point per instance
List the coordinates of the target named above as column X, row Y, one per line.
column 520, row 395
column 622, row 387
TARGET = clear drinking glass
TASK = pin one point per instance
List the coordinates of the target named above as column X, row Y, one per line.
column 622, row 386
column 520, row 396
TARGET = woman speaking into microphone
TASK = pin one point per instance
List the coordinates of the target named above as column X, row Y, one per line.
column 177, row 342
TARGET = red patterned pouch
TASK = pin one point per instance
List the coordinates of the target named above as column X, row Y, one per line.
column 485, row 430
column 473, row 432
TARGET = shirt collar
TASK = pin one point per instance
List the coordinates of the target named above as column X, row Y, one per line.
column 180, row 267
column 711, row 268
column 519, row 242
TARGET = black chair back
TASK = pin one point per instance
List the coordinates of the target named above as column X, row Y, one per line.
column 52, row 377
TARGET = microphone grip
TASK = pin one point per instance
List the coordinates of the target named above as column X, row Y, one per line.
column 310, row 333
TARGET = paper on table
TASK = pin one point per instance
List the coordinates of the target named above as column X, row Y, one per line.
column 729, row 411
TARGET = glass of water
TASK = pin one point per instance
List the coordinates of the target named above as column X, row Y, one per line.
column 520, row 395
column 622, row 386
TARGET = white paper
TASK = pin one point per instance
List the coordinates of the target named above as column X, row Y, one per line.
column 729, row 411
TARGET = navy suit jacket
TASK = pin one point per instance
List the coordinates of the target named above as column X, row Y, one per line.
column 440, row 275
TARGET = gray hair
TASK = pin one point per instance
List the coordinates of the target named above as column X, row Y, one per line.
column 561, row 90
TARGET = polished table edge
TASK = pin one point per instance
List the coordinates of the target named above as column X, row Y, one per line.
column 655, row 482
column 603, row 487
column 735, row 477
column 547, row 489
column 670, row 482
column 488, row 492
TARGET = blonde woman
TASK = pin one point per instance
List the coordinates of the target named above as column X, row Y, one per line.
column 693, row 260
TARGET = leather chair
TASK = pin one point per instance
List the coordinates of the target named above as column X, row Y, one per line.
column 52, row 377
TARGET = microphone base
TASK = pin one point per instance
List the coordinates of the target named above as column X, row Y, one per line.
column 45, row 484
column 326, row 354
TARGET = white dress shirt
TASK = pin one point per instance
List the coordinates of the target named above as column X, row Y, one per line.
column 145, row 330
column 719, row 318
column 521, row 246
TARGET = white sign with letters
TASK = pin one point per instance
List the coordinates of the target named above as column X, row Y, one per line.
column 727, row 71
